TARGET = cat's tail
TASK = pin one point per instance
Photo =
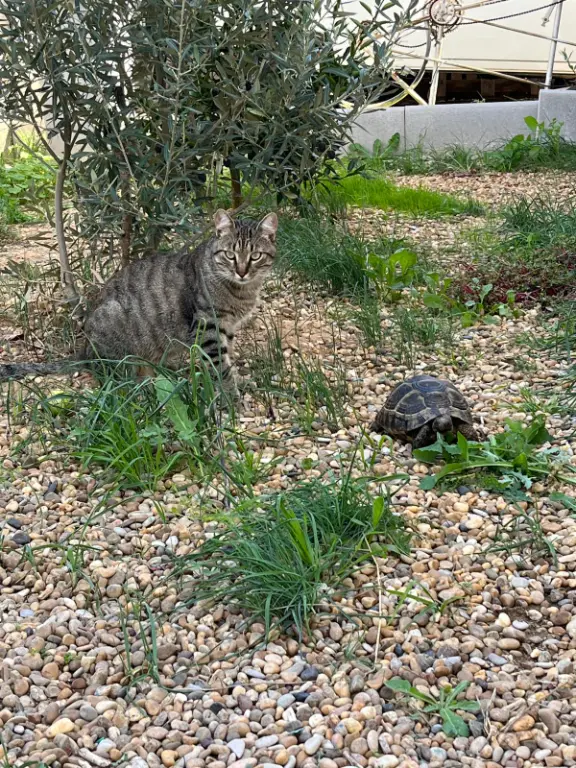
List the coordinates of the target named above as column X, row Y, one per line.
column 21, row 370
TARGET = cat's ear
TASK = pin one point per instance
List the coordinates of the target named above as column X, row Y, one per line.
column 269, row 226
column 223, row 223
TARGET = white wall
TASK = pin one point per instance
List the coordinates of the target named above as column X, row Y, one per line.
column 490, row 48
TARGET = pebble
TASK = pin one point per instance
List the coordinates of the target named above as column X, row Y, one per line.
column 571, row 628
column 88, row 713
column 309, row 673
column 549, row 719
column 524, row 723
column 387, row 761
column 64, row 725
column 237, row 746
column 313, row 744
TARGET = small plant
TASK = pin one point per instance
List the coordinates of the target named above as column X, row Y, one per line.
column 316, row 394
column 324, row 255
column 533, row 149
column 415, row 328
column 468, row 300
column 431, row 605
column 446, row 706
column 27, row 181
column 379, row 158
column 316, row 390
column 541, row 147
column 515, row 456
column 523, row 534
column 366, row 315
column 391, row 274
column 277, row 557
column 567, row 501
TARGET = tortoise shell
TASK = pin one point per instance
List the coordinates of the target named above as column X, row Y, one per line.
column 417, row 401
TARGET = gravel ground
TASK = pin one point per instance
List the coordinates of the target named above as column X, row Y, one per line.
column 498, row 189
column 71, row 692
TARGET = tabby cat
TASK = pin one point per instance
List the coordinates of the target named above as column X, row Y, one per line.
column 156, row 308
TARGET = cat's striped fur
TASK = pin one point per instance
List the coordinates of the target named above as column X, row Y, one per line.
column 156, row 308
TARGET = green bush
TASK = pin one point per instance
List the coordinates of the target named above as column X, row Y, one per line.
column 26, row 187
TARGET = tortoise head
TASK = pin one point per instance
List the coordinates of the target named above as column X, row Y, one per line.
column 443, row 423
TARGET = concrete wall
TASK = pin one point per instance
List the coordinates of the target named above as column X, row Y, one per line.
column 468, row 125
column 560, row 104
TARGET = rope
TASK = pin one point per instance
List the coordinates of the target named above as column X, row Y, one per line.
column 513, row 15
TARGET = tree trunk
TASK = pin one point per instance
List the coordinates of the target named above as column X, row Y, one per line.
column 126, row 238
column 236, row 188
column 66, row 276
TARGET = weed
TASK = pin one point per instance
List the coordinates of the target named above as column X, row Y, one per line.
column 415, row 328
column 74, row 555
column 392, row 274
column 315, row 389
column 30, row 299
column 27, row 183
column 431, row 606
column 324, row 255
column 378, row 159
column 366, row 315
column 277, row 557
column 560, row 337
column 138, row 432
column 524, row 534
column 536, row 403
column 318, row 396
column 568, row 501
column 530, row 257
column 446, row 706
column 148, row 640
column 515, row 456
column 541, row 147
column 7, row 761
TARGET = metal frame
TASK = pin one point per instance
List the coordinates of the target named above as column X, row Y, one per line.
column 437, row 60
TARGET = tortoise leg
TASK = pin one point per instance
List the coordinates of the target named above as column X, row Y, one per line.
column 467, row 431
column 425, row 436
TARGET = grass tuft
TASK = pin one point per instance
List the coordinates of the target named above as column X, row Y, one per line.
column 279, row 556
column 138, row 432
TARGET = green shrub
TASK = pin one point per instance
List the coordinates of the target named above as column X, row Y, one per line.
column 26, row 187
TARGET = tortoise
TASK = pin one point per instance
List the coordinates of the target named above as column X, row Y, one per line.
column 421, row 407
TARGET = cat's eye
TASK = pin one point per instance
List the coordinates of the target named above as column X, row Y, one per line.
column 257, row 256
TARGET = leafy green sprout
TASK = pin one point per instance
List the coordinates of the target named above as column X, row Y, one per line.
column 430, row 604
column 517, row 455
column 446, row 706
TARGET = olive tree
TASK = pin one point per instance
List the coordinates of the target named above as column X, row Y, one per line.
column 158, row 104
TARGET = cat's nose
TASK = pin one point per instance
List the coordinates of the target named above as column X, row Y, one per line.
column 241, row 271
